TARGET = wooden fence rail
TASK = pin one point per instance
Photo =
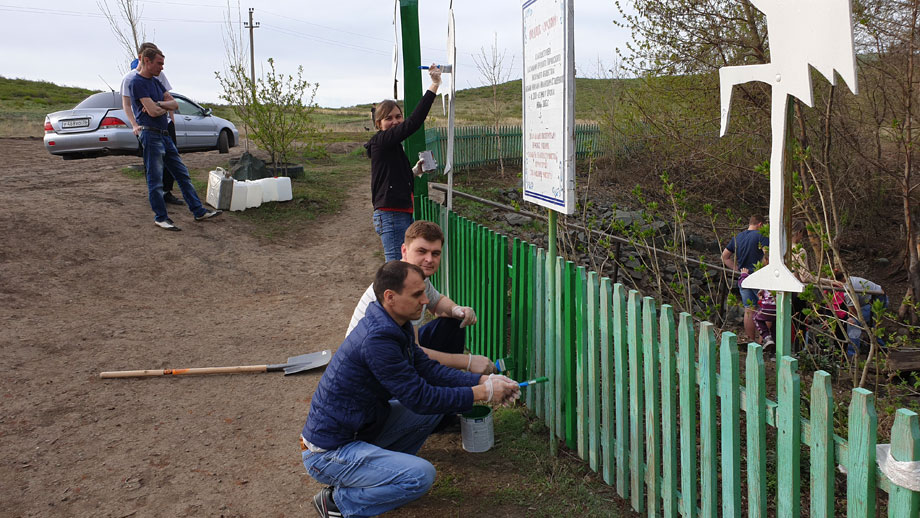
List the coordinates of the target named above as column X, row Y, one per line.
column 477, row 146
column 652, row 401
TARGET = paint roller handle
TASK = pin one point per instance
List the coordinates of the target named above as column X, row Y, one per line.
column 541, row 379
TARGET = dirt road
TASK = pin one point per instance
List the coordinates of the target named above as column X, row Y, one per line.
column 87, row 284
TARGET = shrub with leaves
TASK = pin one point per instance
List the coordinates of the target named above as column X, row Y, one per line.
column 278, row 111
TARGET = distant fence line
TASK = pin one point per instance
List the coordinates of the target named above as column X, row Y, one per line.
column 477, row 146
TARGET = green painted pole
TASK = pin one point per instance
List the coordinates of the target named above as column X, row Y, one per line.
column 550, row 310
column 412, row 84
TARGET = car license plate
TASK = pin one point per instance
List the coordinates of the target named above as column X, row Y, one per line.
column 75, row 123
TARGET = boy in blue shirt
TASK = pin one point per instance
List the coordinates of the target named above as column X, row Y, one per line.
column 150, row 104
column 743, row 252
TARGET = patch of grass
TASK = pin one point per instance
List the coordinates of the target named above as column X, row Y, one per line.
column 563, row 485
column 24, row 104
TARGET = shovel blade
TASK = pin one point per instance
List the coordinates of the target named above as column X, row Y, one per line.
column 305, row 362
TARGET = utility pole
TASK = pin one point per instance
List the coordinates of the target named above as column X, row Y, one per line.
column 252, row 54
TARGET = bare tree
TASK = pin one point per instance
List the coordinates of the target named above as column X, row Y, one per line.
column 125, row 21
column 492, row 69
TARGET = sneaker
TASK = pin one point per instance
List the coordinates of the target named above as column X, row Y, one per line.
column 324, row 504
column 171, row 199
column 167, row 224
column 208, row 214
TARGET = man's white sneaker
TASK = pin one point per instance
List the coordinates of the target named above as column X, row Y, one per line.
column 167, row 224
column 208, row 214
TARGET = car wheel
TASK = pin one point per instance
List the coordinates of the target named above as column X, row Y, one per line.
column 223, row 142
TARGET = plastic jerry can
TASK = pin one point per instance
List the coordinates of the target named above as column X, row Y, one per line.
column 220, row 189
column 269, row 189
column 253, row 194
column 240, row 193
column 284, row 189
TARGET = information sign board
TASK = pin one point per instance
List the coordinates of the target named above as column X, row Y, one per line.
column 549, row 104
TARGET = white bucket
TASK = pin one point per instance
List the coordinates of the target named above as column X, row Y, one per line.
column 476, row 431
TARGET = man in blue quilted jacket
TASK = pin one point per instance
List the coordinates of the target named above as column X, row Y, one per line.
column 378, row 402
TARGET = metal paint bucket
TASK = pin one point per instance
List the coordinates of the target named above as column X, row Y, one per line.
column 476, row 430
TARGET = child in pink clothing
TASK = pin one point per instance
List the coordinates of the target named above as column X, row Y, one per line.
column 765, row 314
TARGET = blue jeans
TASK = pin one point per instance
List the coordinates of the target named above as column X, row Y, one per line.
column 373, row 478
column 391, row 227
column 160, row 153
column 854, row 331
column 748, row 297
column 443, row 334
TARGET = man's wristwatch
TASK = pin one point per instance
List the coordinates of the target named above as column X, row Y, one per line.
column 158, row 105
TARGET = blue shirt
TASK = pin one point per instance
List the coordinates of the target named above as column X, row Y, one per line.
column 748, row 248
column 141, row 87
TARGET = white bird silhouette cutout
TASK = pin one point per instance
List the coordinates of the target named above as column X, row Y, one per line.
column 803, row 33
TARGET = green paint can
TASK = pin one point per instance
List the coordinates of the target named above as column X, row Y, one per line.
column 476, row 430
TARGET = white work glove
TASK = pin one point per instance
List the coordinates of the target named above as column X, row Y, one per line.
column 464, row 313
column 480, row 365
column 502, row 390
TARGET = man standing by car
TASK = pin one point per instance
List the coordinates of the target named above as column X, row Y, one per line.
column 150, row 104
column 126, row 101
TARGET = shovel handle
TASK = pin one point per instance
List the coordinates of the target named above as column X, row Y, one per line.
column 184, row 372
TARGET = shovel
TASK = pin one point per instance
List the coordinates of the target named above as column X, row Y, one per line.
column 295, row 364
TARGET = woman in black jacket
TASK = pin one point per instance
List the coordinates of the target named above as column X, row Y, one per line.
column 392, row 178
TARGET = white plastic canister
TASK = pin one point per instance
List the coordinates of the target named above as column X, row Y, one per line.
column 284, row 189
column 269, row 189
column 239, row 198
column 253, row 194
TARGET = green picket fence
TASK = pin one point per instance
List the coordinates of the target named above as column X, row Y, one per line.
column 652, row 401
column 477, row 146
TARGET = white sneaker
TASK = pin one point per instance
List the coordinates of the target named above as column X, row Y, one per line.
column 167, row 224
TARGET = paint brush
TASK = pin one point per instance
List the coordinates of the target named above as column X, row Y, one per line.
column 447, row 69
column 541, row 379
column 504, row 364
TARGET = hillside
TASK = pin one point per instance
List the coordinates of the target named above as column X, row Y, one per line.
column 24, row 104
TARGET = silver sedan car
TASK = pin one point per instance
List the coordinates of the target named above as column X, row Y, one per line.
column 98, row 127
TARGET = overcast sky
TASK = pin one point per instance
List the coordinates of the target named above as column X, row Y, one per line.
column 344, row 45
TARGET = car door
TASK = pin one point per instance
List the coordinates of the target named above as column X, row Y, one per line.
column 194, row 128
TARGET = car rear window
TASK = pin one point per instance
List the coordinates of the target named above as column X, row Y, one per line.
column 101, row 100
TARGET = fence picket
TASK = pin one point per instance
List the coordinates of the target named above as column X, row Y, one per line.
column 788, row 440
column 621, row 422
column 905, row 447
column 608, row 402
column 568, row 298
column 861, row 469
column 636, row 405
column 731, row 417
column 539, row 334
column 652, row 405
column 686, row 365
column 756, row 409
column 669, row 411
column 581, row 370
column 594, row 376
column 559, row 350
column 709, row 476
column 822, row 446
